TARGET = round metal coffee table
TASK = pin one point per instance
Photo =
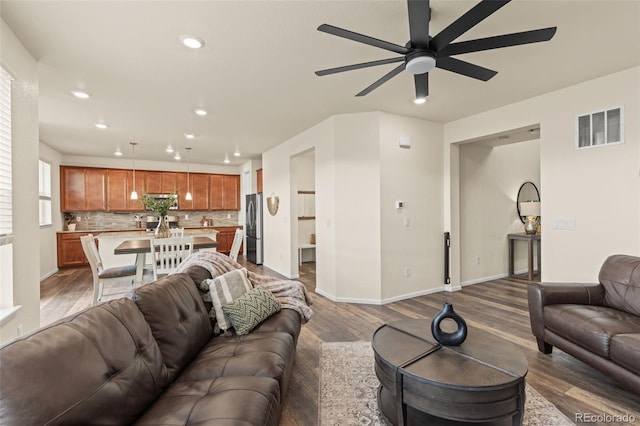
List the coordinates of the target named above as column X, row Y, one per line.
column 421, row 382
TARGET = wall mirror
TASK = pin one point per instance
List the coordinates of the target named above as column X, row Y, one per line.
column 528, row 192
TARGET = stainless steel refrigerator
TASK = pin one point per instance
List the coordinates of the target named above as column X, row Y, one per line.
column 253, row 228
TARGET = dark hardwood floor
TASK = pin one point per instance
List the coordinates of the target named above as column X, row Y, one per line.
column 498, row 306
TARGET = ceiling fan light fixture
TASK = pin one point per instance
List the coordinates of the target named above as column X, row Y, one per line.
column 420, row 64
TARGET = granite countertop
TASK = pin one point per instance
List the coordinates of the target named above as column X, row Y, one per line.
column 138, row 231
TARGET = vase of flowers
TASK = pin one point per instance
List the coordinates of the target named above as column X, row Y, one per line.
column 160, row 208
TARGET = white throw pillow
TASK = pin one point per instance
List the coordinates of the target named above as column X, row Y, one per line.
column 224, row 290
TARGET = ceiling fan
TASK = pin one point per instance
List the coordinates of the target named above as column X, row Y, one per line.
column 422, row 52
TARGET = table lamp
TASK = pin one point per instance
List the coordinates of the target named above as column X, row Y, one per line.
column 530, row 209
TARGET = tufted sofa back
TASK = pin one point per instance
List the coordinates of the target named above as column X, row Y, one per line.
column 102, row 363
column 620, row 277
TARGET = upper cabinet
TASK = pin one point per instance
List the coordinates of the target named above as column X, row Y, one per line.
column 83, row 189
column 96, row 189
column 224, row 192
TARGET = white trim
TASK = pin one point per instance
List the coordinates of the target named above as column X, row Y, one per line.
column 49, row 274
column 6, row 314
column 379, row 301
column 484, row 279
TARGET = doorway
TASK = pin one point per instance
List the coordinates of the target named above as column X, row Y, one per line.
column 303, row 207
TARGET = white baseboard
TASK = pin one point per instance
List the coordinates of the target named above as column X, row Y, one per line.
column 483, row 279
column 378, row 301
column 287, row 276
column 48, row 274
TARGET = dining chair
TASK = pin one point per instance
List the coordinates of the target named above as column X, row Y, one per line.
column 176, row 232
column 237, row 242
column 102, row 276
column 167, row 253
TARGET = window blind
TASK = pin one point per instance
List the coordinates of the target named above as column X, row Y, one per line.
column 6, row 213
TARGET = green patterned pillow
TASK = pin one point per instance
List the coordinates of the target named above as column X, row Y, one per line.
column 251, row 309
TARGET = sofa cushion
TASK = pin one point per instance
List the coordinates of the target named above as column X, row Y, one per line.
column 265, row 354
column 226, row 288
column 219, row 401
column 251, row 309
column 287, row 320
column 625, row 351
column 102, row 363
column 178, row 319
column 620, row 276
column 591, row 327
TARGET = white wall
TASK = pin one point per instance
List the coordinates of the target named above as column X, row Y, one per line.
column 414, row 176
column 48, row 244
column 490, row 178
column 25, row 136
column 598, row 187
column 359, row 173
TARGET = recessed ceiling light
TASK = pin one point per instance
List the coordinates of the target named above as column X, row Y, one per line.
column 189, row 135
column 191, row 41
column 226, row 159
column 101, row 126
column 118, row 152
column 80, row 94
column 420, row 101
column 169, row 149
column 200, row 111
column 237, row 153
column 177, row 156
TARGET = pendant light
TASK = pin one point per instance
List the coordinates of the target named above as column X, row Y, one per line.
column 188, row 196
column 134, row 194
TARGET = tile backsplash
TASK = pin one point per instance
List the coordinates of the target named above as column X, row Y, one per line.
column 117, row 221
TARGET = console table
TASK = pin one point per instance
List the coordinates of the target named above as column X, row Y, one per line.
column 530, row 239
column 422, row 383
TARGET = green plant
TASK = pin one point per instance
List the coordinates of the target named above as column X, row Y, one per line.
column 159, row 207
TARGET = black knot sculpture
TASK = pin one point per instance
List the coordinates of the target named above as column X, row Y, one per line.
column 449, row 339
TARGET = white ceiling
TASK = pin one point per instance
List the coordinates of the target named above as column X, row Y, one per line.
column 255, row 74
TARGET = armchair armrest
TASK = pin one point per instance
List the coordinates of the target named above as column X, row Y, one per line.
column 543, row 294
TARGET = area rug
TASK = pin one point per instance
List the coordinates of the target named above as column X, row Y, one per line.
column 348, row 386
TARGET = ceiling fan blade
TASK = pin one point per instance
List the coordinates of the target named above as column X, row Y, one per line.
column 506, row 40
column 464, row 23
column 419, row 16
column 358, row 66
column 330, row 29
column 465, row 68
column 422, row 85
column 388, row 76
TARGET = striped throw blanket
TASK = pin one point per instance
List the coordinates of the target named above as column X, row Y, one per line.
column 290, row 293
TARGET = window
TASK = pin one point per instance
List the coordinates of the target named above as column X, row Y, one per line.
column 45, row 192
column 6, row 222
column 600, row 128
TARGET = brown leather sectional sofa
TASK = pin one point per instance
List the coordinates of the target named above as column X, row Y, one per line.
column 148, row 360
column 596, row 323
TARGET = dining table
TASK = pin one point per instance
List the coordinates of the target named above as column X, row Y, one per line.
column 140, row 247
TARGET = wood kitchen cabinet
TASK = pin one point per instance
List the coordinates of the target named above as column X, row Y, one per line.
column 98, row 189
column 225, row 237
column 224, row 192
column 70, row 251
column 118, row 192
column 83, row 189
column 259, row 180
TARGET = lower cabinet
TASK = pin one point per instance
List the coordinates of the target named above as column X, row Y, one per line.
column 224, row 238
column 70, row 251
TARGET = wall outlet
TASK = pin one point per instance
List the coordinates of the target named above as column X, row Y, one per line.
column 186, row 217
column 477, row 260
column 78, row 218
column 407, row 222
column 407, row 272
column 228, row 216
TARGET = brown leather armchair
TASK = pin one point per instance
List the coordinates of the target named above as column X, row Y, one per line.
column 597, row 323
